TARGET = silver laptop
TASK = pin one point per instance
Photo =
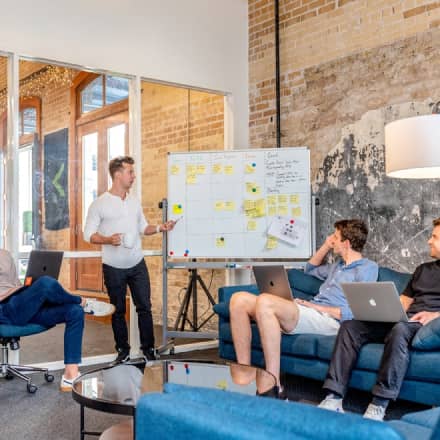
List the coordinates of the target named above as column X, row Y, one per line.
column 43, row 263
column 377, row 302
column 273, row 280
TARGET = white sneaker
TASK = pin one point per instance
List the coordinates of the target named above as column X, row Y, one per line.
column 332, row 404
column 98, row 308
column 66, row 384
column 375, row 412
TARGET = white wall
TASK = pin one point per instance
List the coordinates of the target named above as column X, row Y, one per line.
column 201, row 43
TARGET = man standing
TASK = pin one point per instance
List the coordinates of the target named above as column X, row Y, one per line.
column 322, row 315
column 421, row 301
column 115, row 220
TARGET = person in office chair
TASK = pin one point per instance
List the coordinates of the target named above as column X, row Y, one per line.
column 46, row 303
column 421, row 301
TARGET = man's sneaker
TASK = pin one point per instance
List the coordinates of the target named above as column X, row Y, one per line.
column 273, row 392
column 98, row 308
column 332, row 404
column 150, row 355
column 66, row 384
column 375, row 412
column 122, row 357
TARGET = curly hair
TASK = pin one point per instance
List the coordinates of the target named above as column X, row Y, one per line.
column 354, row 230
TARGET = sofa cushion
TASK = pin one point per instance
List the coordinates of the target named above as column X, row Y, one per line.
column 428, row 337
column 428, row 418
column 222, row 309
column 303, row 283
column 410, row 431
column 400, row 279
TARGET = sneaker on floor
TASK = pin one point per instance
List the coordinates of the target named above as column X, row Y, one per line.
column 66, row 384
column 98, row 308
column 375, row 412
column 122, row 357
column 150, row 355
column 273, row 392
column 332, row 404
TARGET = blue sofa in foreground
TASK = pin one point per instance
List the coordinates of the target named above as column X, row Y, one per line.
column 184, row 413
column 309, row 355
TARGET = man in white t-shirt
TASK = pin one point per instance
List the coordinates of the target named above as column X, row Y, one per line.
column 115, row 220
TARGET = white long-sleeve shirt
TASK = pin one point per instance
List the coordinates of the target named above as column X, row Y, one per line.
column 108, row 215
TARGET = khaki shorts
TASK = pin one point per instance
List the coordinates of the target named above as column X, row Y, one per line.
column 312, row 321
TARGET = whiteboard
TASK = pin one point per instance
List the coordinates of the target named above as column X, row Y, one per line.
column 227, row 201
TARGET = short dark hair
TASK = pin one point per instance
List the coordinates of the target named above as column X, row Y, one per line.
column 354, row 230
column 436, row 222
column 117, row 164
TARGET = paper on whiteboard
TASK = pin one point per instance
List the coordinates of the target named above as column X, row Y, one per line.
column 288, row 229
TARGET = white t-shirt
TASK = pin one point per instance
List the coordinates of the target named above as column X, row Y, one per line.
column 108, row 215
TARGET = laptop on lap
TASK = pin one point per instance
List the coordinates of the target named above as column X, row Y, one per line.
column 273, row 280
column 43, row 263
column 377, row 302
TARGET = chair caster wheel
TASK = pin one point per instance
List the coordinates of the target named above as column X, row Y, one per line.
column 31, row 388
column 49, row 377
column 9, row 376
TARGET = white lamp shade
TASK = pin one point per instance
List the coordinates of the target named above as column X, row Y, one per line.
column 412, row 147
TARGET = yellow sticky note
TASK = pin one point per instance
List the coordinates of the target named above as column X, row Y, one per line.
column 251, row 225
column 260, row 206
column 217, row 168
column 191, row 169
column 272, row 210
column 249, row 204
column 272, row 200
column 201, row 169
column 282, row 198
column 219, row 205
column 229, row 169
column 230, row 206
column 220, row 242
column 271, row 242
column 294, row 199
column 249, row 169
column 282, row 210
column 177, row 209
column 191, row 179
column 251, row 213
column 250, row 187
column 296, row 212
column 175, row 170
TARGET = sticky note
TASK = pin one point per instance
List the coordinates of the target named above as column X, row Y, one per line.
column 282, row 198
column 249, row 169
column 220, row 242
column 251, row 225
column 219, row 205
column 272, row 210
column 294, row 199
column 250, row 186
column 177, row 209
column 175, row 170
column 230, row 206
column 272, row 242
column 260, row 206
column 229, row 169
column 249, row 204
column 191, row 179
column 251, row 213
column 296, row 212
column 191, row 169
column 272, row 200
column 217, row 168
column 283, row 210
column 201, row 169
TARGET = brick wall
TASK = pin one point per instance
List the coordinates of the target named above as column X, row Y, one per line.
column 174, row 119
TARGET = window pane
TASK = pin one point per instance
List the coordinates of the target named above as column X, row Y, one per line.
column 29, row 120
column 116, row 89
column 25, row 199
column 116, row 141
column 90, row 172
column 92, row 96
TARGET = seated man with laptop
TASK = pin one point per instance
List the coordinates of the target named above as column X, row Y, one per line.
column 421, row 302
column 275, row 313
column 42, row 300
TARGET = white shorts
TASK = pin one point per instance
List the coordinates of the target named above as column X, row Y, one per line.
column 312, row 321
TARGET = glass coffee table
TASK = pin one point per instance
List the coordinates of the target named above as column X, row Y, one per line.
column 117, row 389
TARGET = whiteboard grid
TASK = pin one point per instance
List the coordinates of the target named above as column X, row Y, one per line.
column 227, row 200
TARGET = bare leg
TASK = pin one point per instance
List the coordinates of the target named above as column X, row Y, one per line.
column 242, row 308
column 274, row 314
column 71, row 371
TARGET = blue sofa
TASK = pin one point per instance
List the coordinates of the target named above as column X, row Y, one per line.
column 184, row 413
column 309, row 355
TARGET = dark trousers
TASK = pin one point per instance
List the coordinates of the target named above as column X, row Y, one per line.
column 138, row 280
column 352, row 336
column 46, row 303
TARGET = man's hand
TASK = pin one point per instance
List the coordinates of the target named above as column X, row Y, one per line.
column 309, row 304
column 334, row 312
column 425, row 317
column 329, row 241
column 168, row 226
column 115, row 239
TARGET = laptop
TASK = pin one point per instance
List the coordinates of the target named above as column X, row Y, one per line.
column 273, row 280
column 42, row 263
column 377, row 302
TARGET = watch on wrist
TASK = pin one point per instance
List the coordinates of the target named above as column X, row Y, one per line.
column 157, row 229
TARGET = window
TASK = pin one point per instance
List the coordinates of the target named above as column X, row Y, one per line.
column 101, row 91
